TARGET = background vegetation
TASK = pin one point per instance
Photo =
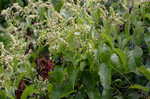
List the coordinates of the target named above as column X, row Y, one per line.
column 74, row 49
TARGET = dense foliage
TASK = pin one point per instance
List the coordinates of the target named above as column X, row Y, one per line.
column 74, row 49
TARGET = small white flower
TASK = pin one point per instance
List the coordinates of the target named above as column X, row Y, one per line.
column 77, row 33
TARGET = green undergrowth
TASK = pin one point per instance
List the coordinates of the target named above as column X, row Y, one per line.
column 100, row 49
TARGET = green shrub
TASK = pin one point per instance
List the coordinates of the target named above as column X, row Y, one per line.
column 99, row 49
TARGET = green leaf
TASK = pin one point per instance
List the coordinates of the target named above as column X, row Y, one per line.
column 6, row 39
column 145, row 71
column 131, row 63
column 136, row 86
column 147, row 38
column 28, row 91
column 104, row 53
column 123, row 58
column 137, row 52
column 22, row 2
column 2, row 95
column 94, row 94
column 58, row 4
column 58, row 75
column 108, row 39
column 89, row 80
column 67, row 93
column 72, row 77
column 50, row 88
column 105, row 78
